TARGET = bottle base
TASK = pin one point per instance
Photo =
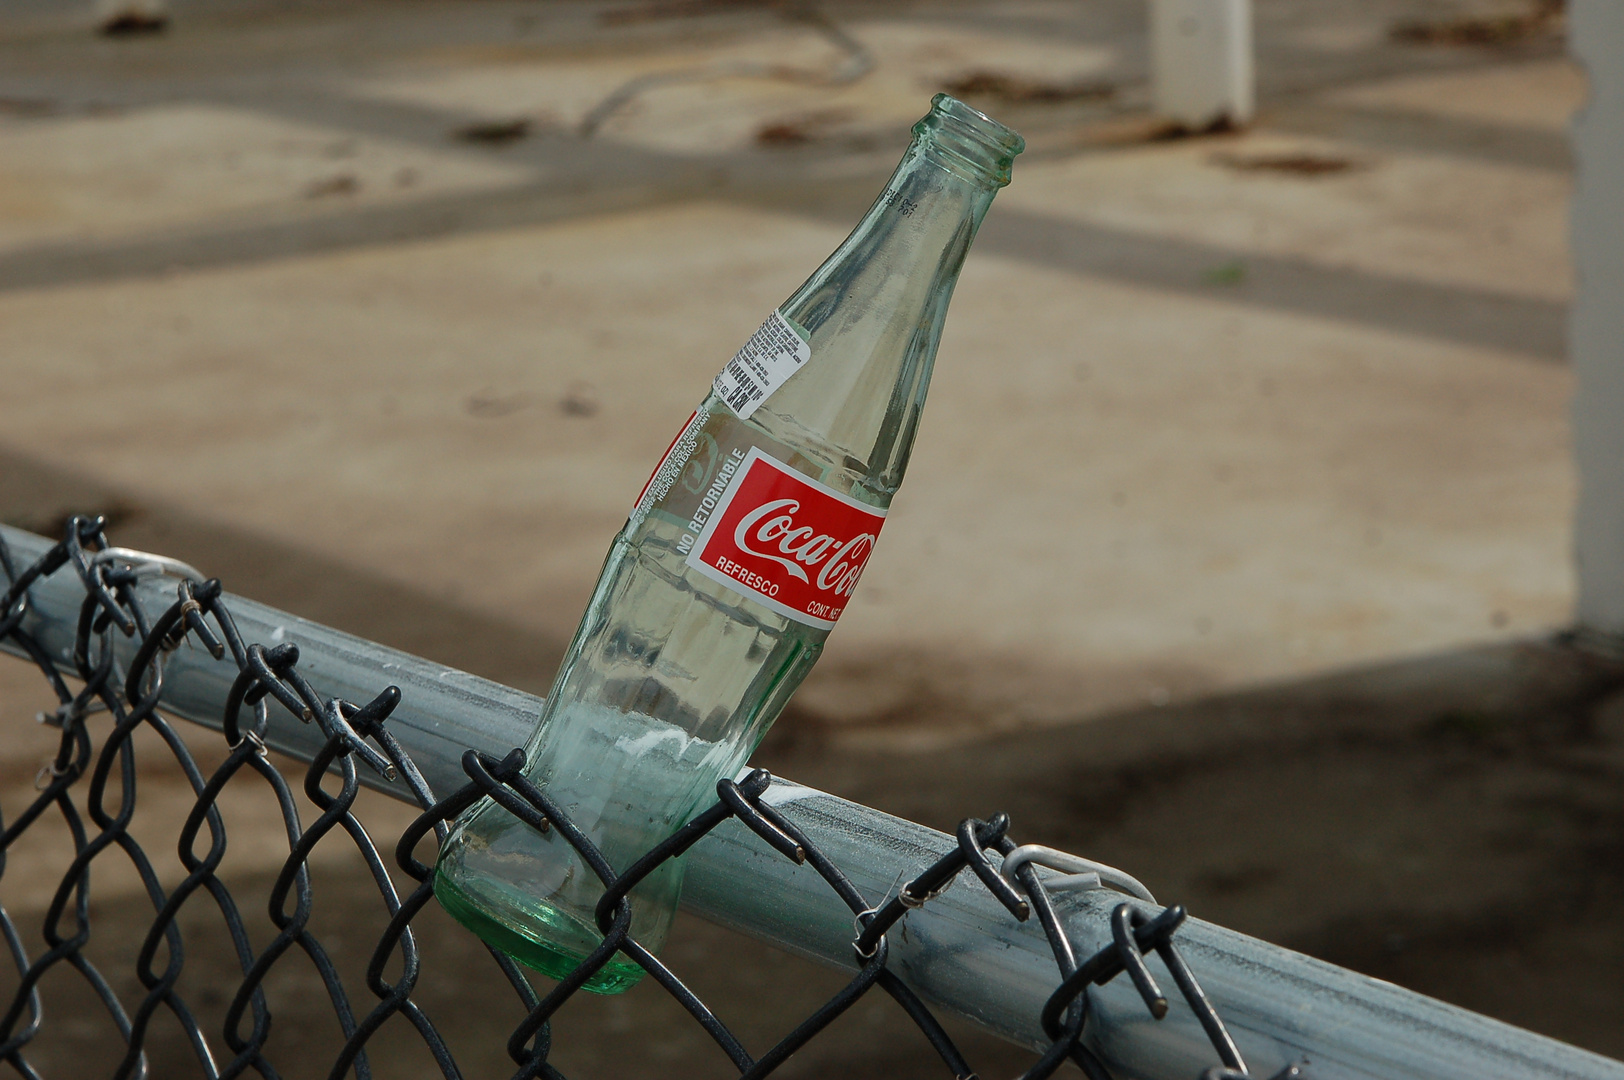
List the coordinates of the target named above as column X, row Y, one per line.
column 547, row 957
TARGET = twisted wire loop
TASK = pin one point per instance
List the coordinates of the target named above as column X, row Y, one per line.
column 130, row 693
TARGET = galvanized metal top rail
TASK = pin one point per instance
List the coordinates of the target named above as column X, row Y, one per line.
column 962, row 952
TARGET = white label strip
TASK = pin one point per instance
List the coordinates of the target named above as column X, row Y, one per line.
column 768, row 359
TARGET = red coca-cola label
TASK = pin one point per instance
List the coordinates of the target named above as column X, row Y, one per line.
column 785, row 540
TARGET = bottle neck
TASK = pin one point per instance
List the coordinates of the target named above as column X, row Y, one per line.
column 874, row 311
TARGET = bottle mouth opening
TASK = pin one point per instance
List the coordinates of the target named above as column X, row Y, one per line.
column 972, row 135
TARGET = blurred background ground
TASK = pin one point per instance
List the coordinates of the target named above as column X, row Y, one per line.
column 1236, row 542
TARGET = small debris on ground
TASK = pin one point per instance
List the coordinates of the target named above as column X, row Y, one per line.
column 24, row 106
column 493, row 132
column 131, row 18
column 1017, row 89
column 782, row 133
column 342, row 184
column 671, row 9
column 1229, row 273
column 488, row 404
column 1173, row 130
column 580, row 400
column 798, row 130
column 1546, row 16
column 1290, row 164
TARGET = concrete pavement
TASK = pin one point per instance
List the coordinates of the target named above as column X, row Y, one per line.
column 1213, row 418
column 1199, row 421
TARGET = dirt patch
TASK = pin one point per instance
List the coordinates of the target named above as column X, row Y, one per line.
column 580, row 400
column 1544, row 18
column 489, row 404
column 677, row 9
column 494, row 132
column 28, row 106
column 1288, row 164
column 802, row 129
column 1018, row 89
column 342, row 184
column 133, row 18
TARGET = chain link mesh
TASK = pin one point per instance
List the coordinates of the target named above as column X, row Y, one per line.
column 357, row 736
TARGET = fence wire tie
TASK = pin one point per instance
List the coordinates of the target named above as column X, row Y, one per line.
column 860, row 923
column 144, row 564
column 251, row 737
column 915, row 895
column 1077, row 872
column 48, row 772
column 69, row 712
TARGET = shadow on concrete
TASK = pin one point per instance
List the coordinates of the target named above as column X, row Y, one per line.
column 1453, row 822
column 582, row 178
column 1452, row 313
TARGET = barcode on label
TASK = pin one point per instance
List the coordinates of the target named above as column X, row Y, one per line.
column 768, row 359
column 745, row 390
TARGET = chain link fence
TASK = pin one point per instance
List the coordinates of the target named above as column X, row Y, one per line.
column 95, row 764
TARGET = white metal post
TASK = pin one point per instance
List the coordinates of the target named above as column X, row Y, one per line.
column 1201, row 61
column 1596, row 325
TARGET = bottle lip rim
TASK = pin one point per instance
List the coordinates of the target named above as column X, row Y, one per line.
column 997, row 137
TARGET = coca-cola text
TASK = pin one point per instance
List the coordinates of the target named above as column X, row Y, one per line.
column 787, row 541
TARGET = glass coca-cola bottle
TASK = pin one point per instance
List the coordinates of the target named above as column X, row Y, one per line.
column 738, row 558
